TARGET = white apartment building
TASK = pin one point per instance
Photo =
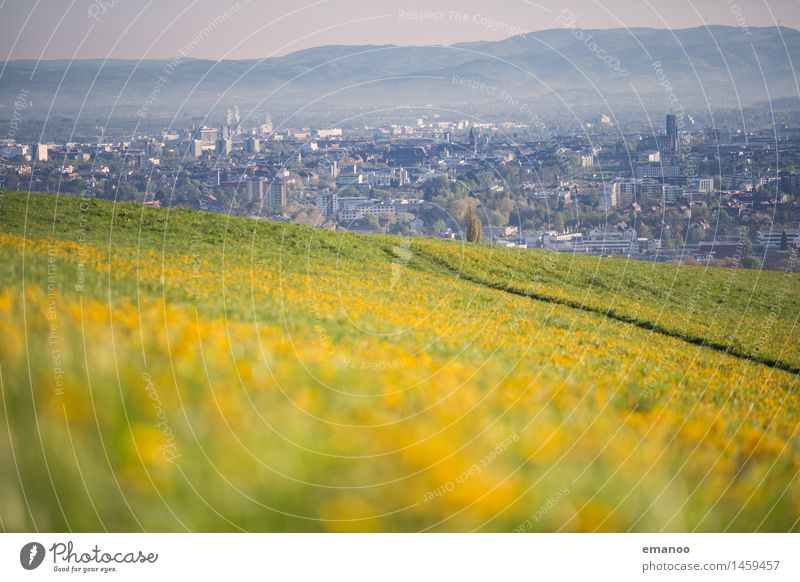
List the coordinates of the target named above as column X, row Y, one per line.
column 772, row 238
column 598, row 241
column 328, row 133
column 392, row 207
column 41, row 152
column 658, row 171
column 349, row 180
column 705, row 185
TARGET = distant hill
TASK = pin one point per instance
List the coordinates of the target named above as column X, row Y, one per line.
column 722, row 65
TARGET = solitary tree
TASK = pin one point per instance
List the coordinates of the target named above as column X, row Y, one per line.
column 747, row 244
column 474, row 230
column 751, row 262
column 559, row 222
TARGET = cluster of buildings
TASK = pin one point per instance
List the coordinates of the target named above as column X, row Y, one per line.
column 371, row 177
column 270, row 194
column 624, row 241
column 626, row 191
column 599, row 241
column 349, row 209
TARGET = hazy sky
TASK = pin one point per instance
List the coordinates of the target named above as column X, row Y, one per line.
column 217, row 29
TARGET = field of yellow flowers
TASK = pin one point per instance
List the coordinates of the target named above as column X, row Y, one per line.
column 169, row 370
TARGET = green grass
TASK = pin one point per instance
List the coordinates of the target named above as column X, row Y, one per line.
column 316, row 381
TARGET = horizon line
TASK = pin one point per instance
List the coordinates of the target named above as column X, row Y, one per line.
column 428, row 45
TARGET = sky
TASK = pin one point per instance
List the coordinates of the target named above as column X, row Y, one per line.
column 249, row 29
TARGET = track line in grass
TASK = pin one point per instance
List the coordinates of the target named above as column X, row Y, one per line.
column 622, row 318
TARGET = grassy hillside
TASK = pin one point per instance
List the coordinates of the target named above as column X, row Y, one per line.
column 171, row 370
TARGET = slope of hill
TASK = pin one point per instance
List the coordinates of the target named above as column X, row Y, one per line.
column 718, row 63
column 171, row 370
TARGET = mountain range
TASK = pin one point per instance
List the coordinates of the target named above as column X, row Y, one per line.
column 559, row 68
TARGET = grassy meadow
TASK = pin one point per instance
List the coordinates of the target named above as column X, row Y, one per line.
column 171, row 370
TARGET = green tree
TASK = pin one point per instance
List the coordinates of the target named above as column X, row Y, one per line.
column 474, row 230
column 435, row 187
column 747, row 244
column 697, row 235
column 751, row 262
column 438, row 226
column 127, row 192
column 559, row 222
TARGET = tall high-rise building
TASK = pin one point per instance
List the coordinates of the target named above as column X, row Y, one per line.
column 705, row 185
column 252, row 145
column 224, row 147
column 672, row 133
column 41, row 152
column 270, row 193
column 256, row 188
column 276, row 195
column 207, row 135
column 328, row 203
column 332, row 168
column 627, row 191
